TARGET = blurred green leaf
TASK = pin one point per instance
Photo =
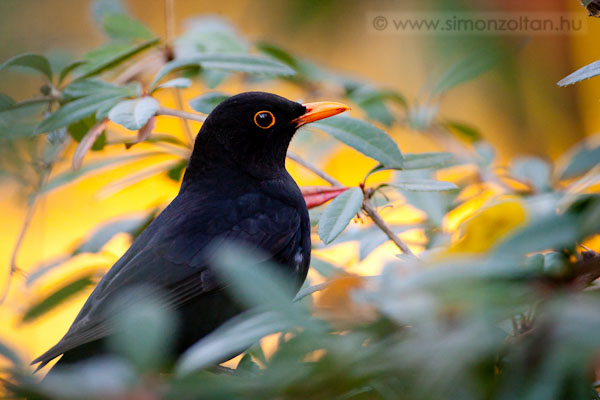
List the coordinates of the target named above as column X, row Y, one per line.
column 69, row 68
column 105, row 232
column 28, row 60
column 180, row 83
column 533, row 171
column 463, row 130
column 233, row 62
column 207, row 102
column 424, row 185
column 324, row 268
column 121, row 26
column 70, row 175
column 584, row 160
column 427, row 160
column 176, row 172
column 470, row 67
column 250, row 278
column 234, row 336
column 9, row 354
column 89, row 87
column 133, row 114
column 114, row 56
column 373, row 102
column 548, row 232
column 58, row 297
column 339, row 213
column 144, row 329
column 79, row 129
column 6, row 102
column 364, row 137
column 589, row 71
column 74, row 111
column 20, row 120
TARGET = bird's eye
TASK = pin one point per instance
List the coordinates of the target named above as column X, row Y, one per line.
column 264, row 119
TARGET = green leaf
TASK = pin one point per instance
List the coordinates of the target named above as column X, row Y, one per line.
column 207, row 102
column 232, row 62
column 144, row 328
column 549, row 232
column 74, row 111
column 339, row 213
column 57, row 297
column 427, row 160
column 364, row 137
column 324, row 268
column 10, row 354
column 584, row 160
column 462, row 130
column 6, row 102
column 121, row 26
column 89, row 87
column 112, row 59
column 20, row 121
column 102, row 234
column 79, row 129
column 133, row 114
column 581, row 74
column 70, row 175
column 176, row 172
column 533, row 171
column 68, row 69
column 33, row 61
column 181, row 83
column 424, row 185
column 373, row 102
column 235, row 335
column 466, row 69
column 251, row 279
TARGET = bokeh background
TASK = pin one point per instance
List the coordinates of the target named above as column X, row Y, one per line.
column 517, row 107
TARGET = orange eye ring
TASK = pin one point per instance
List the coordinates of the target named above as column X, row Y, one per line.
column 258, row 114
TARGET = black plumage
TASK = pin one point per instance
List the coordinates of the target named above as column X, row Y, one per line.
column 235, row 188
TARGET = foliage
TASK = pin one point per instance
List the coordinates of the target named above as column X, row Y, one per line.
column 503, row 307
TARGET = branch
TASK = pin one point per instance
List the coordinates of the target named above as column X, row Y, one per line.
column 181, row 114
column 315, row 170
column 371, row 212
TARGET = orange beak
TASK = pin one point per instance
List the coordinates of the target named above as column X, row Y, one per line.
column 319, row 110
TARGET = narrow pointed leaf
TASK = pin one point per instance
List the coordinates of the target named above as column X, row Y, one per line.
column 339, row 213
column 424, row 185
column 364, row 137
column 59, row 296
column 121, row 26
column 231, row 62
column 427, row 160
column 207, row 102
column 134, row 114
column 74, row 111
column 33, row 61
column 118, row 58
column 589, row 71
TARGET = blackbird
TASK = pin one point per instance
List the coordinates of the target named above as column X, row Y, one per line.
column 235, row 188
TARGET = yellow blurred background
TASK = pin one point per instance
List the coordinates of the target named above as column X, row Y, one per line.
column 518, row 108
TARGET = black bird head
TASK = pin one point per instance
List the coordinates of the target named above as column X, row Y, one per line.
column 252, row 131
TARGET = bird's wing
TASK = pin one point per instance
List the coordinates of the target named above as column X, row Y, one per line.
column 171, row 255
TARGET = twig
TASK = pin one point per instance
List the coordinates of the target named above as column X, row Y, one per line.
column 315, row 170
column 13, row 258
column 181, row 114
column 184, row 121
column 371, row 212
